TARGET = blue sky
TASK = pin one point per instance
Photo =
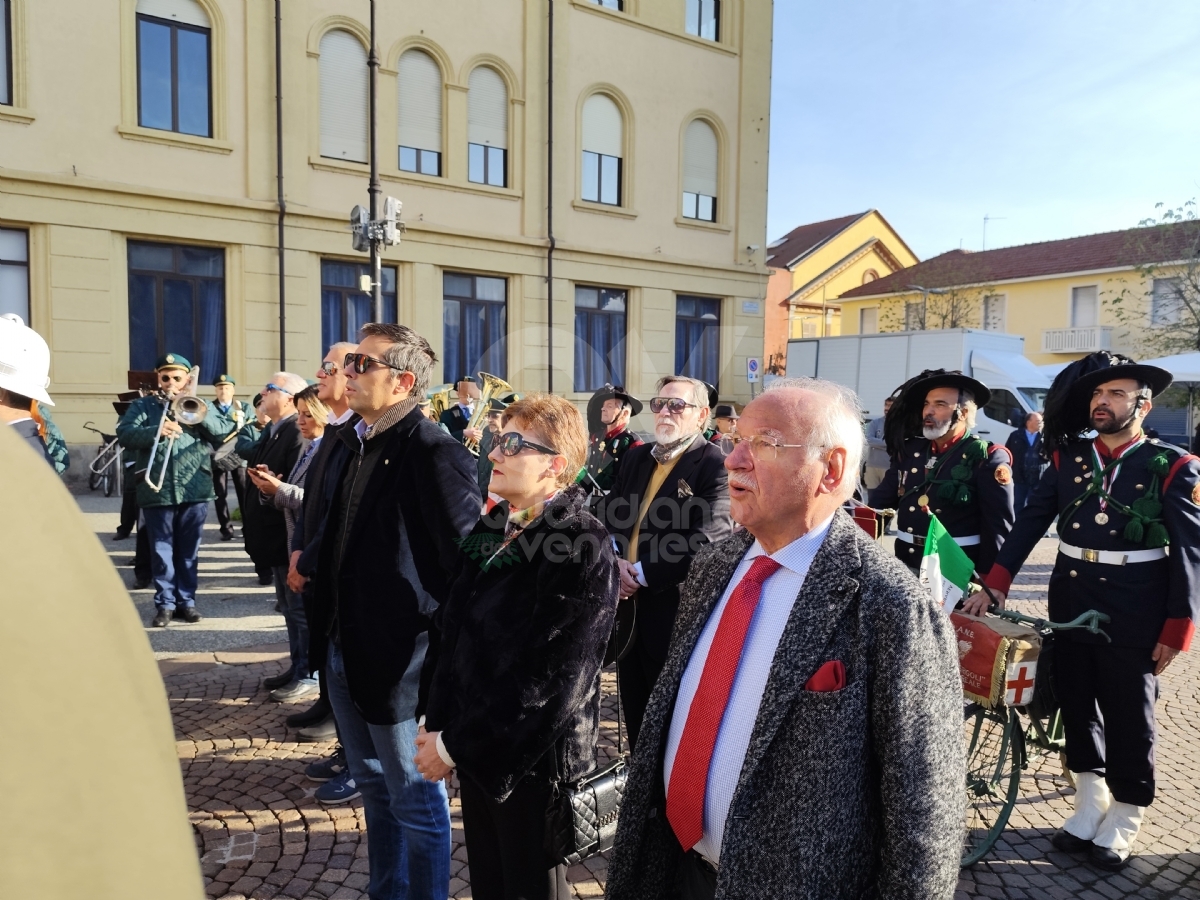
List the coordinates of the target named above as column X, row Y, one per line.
column 1056, row 118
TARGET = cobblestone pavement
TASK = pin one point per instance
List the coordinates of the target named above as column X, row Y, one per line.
column 261, row 834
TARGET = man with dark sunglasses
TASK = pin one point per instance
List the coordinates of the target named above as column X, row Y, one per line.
column 670, row 499
column 403, row 494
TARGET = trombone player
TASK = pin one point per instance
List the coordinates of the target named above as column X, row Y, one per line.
column 175, row 483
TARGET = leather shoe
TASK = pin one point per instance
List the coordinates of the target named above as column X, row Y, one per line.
column 227, row 534
column 1069, row 843
column 314, row 715
column 162, row 619
column 316, row 734
column 278, row 681
column 186, row 614
column 1112, row 860
column 140, row 584
column 266, row 579
column 121, row 534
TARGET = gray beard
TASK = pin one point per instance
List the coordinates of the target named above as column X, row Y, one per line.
column 935, row 432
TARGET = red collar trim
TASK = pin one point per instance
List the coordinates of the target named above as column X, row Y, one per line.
column 939, row 449
column 614, row 431
column 1109, row 455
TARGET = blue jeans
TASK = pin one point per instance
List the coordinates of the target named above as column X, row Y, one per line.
column 408, row 818
column 174, row 534
column 292, row 605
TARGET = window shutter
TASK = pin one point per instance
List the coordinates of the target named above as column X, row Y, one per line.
column 343, row 97
column 1084, row 303
column 700, row 159
column 419, row 88
column 602, row 126
column 487, row 108
column 188, row 12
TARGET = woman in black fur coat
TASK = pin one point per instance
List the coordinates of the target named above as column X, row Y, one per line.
column 513, row 677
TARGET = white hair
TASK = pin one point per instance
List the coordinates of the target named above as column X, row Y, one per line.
column 340, row 349
column 835, row 423
column 289, row 381
column 699, row 390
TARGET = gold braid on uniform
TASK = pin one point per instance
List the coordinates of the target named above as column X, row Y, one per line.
column 1145, row 524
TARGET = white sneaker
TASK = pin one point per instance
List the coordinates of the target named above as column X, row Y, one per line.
column 1092, row 802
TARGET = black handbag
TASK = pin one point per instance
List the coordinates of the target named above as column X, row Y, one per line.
column 581, row 818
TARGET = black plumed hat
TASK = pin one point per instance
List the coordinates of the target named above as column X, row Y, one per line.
column 1067, row 413
column 903, row 420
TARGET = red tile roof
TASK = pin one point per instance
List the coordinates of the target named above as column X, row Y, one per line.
column 803, row 240
column 1112, row 250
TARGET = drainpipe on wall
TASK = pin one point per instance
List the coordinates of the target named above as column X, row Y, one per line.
column 373, row 188
column 279, row 184
column 550, row 200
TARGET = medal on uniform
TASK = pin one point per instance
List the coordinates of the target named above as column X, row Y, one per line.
column 923, row 500
column 1101, row 518
column 1105, row 476
column 931, row 462
column 601, row 448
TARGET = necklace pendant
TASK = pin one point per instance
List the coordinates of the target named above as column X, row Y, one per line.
column 1101, row 518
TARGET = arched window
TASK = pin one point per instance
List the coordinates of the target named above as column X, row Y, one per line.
column 603, row 139
column 343, row 66
column 869, row 276
column 174, row 40
column 419, row 113
column 487, row 128
column 700, row 172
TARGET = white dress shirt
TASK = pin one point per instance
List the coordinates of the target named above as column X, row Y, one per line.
column 762, row 639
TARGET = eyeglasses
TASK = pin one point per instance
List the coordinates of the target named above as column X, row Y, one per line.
column 360, row 362
column 763, row 449
column 274, row 387
column 177, row 377
column 673, row 405
column 329, row 368
column 511, row 443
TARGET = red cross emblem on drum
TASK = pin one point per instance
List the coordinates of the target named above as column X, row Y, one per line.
column 1018, row 685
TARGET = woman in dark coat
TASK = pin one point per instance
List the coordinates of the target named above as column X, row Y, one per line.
column 513, row 697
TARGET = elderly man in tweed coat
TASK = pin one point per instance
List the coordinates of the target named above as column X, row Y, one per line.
column 803, row 740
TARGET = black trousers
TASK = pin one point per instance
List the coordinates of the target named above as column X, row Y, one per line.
column 637, row 672
column 504, row 844
column 221, row 486
column 695, row 879
column 1107, row 697
column 129, row 507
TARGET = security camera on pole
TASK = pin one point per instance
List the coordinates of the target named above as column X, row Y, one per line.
column 367, row 230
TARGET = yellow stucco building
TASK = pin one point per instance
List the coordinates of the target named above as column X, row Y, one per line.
column 139, row 195
column 813, row 264
column 1058, row 295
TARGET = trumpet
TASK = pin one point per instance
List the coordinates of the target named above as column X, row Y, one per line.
column 187, row 409
column 493, row 386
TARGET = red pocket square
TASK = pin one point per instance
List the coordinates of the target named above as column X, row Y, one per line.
column 830, row 677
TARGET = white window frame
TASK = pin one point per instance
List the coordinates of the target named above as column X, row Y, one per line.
column 1072, row 309
column 1171, row 315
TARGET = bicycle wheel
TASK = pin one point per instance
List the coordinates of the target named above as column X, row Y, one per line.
column 110, row 480
column 94, row 480
column 995, row 754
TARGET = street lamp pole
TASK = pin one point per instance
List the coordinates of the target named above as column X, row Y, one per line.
column 373, row 190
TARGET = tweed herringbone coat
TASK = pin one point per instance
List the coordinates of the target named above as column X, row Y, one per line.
column 856, row 793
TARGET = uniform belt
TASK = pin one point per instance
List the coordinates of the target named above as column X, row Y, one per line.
column 1111, row 557
column 969, row 541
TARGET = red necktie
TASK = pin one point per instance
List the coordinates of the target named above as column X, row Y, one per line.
column 689, row 774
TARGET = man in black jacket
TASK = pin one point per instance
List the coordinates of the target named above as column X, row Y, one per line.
column 670, row 499
column 276, row 448
column 402, row 497
column 1025, row 445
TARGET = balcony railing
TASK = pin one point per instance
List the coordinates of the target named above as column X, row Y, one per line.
column 1077, row 340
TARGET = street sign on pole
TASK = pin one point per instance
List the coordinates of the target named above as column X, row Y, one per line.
column 753, row 370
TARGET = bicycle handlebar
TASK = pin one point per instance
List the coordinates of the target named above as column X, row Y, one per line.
column 91, row 426
column 1089, row 621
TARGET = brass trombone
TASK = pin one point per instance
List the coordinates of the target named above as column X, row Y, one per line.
column 187, row 409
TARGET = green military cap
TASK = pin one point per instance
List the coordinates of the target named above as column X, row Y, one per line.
column 223, row 379
column 172, row 361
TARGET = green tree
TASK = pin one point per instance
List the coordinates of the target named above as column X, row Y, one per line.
column 952, row 307
column 1160, row 310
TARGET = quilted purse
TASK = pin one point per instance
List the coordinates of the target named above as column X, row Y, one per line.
column 581, row 818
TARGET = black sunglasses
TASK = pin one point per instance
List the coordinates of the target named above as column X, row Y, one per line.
column 360, row 362
column 675, row 405
column 511, row 443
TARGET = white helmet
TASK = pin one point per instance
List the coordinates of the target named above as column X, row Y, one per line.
column 24, row 360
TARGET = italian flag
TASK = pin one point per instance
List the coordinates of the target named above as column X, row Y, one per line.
column 945, row 568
